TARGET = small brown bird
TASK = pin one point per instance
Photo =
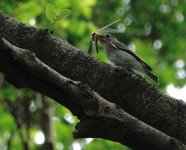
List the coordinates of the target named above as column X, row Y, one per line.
column 119, row 54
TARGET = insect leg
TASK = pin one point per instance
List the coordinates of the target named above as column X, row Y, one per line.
column 96, row 44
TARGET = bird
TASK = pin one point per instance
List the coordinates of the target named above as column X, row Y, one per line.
column 121, row 55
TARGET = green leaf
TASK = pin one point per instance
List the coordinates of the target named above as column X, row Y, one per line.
column 51, row 12
column 65, row 13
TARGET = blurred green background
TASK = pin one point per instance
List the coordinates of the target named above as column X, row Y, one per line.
column 156, row 30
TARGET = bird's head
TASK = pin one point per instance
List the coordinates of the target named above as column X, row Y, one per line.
column 105, row 38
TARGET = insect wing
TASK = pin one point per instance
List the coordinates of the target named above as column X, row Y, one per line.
column 92, row 47
column 107, row 26
column 110, row 30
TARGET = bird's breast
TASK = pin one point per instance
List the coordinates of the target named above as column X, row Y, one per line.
column 118, row 57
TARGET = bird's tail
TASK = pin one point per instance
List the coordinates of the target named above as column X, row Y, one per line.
column 152, row 76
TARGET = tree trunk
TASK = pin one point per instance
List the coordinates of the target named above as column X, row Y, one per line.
column 46, row 123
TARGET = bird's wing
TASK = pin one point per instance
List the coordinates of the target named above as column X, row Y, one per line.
column 123, row 47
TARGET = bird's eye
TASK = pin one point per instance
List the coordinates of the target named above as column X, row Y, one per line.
column 108, row 36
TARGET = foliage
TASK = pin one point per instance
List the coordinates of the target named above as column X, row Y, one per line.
column 155, row 30
column 53, row 15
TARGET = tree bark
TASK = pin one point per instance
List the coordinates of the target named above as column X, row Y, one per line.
column 118, row 85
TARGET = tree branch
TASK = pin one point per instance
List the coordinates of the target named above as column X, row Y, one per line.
column 100, row 117
column 120, row 86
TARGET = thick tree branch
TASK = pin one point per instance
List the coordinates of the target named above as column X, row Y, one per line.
column 100, row 116
column 120, row 86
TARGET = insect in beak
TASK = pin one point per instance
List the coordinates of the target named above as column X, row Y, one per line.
column 100, row 38
column 97, row 37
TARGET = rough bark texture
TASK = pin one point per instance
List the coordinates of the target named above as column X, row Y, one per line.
column 100, row 118
column 120, row 86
